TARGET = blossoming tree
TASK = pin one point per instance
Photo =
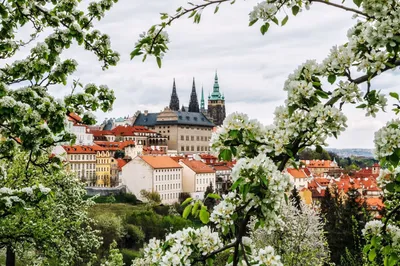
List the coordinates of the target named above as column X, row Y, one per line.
column 32, row 121
column 311, row 114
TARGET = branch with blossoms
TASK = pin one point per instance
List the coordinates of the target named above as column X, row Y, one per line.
column 310, row 115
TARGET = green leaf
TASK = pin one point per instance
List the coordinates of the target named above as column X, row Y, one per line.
column 237, row 183
column 216, row 9
column 204, row 216
column 285, row 20
column 362, row 106
column 390, row 187
column 186, row 202
column 159, row 62
column 187, row 210
column 295, row 10
column 264, row 28
column 394, row 95
column 252, row 22
column 213, row 196
column 210, row 261
column 358, row 2
column 393, row 259
column 372, row 255
column 332, row 78
column 276, row 21
column 319, row 149
column 193, row 13
column 195, row 207
column 226, row 155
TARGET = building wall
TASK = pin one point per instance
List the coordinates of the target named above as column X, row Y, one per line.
column 103, row 169
column 188, row 179
column 137, row 175
column 168, row 183
column 203, row 180
column 84, row 166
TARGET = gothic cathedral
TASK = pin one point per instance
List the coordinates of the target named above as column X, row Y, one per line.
column 216, row 103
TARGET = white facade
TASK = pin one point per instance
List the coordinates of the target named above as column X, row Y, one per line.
column 82, row 133
column 196, row 183
column 133, row 150
column 138, row 175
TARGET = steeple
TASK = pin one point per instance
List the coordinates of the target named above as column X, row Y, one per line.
column 202, row 106
column 194, row 102
column 216, row 85
column 216, row 94
column 174, row 102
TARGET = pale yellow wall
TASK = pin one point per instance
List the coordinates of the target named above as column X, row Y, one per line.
column 103, row 169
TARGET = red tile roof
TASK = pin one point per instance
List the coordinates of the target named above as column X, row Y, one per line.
column 221, row 168
column 115, row 145
column 160, row 162
column 299, row 173
column 319, row 163
column 74, row 118
column 121, row 163
column 198, row 166
column 80, row 149
column 130, row 130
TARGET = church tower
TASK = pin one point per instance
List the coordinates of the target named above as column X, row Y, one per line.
column 216, row 104
column 174, row 102
column 202, row 106
column 194, row 102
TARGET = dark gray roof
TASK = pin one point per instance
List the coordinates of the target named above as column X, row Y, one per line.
column 184, row 118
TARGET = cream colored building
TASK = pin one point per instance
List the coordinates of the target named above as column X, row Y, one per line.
column 197, row 176
column 154, row 174
column 82, row 161
column 186, row 132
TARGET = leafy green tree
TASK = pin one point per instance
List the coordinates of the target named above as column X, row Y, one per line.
column 209, row 202
column 310, row 154
column 152, row 197
column 345, row 217
column 55, row 228
column 295, row 198
column 119, row 154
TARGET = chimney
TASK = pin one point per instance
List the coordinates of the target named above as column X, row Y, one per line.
column 146, row 112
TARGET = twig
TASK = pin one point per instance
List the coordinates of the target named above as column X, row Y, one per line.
column 341, row 7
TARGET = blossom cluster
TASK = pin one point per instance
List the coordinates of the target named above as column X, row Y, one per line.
column 180, row 247
column 11, row 196
column 374, row 228
column 387, row 139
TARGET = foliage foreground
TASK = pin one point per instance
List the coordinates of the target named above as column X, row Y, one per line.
column 316, row 93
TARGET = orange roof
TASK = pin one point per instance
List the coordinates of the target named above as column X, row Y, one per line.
column 198, row 166
column 158, row 162
column 322, row 181
column 115, row 145
column 299, row 173
column 318, row 163
column 74, row 118
column 121, row 163
column 208, row 156
column 99, row 133
column 375, row 202
column 222, row 168
column 177, row 158
column 80, row 149
column 130, row 130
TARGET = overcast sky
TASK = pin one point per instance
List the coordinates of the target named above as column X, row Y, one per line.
column 252, row 68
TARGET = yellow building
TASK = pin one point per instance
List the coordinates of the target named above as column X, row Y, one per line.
column 103, row 167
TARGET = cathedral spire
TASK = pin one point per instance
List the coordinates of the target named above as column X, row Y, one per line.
column 174, row 102
column 216, row 85
column 202, row 106
column 194, row 102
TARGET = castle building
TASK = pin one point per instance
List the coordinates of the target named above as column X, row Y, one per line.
column 216, row 104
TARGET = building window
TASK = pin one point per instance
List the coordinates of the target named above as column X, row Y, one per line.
column 187, row 148
column 197, row 138
column 192, row 138
column 192, row 148
column 187, row 138
column 182, row 148
column 198, row 148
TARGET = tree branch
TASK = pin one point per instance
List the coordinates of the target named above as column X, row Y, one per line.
column 326, row 2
